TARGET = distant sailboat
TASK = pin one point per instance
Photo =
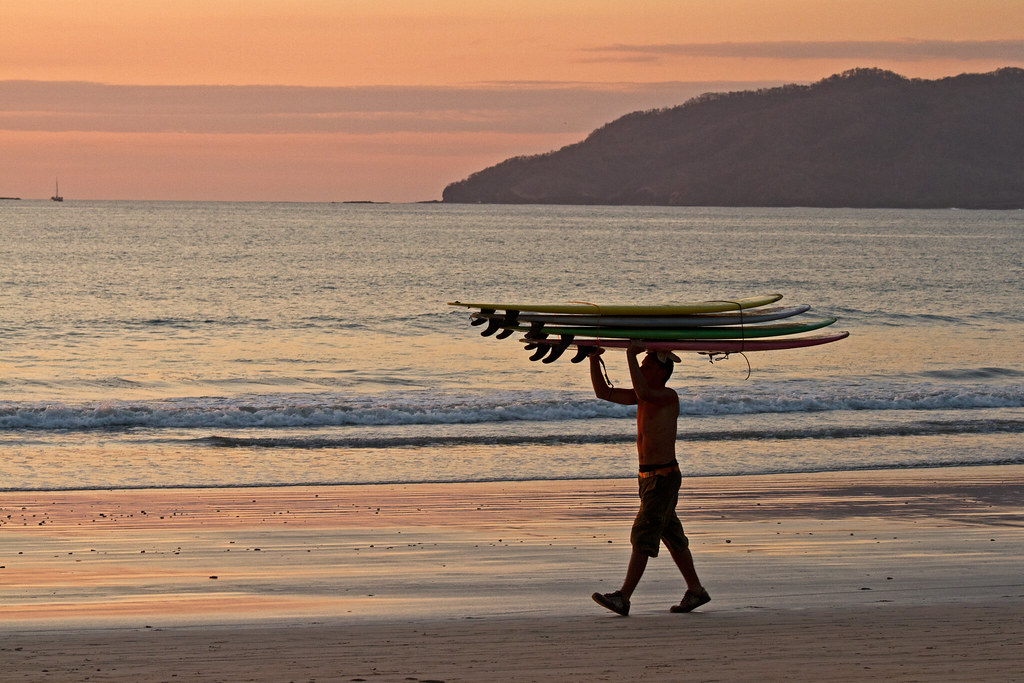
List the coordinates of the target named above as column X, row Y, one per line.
column 56, row 192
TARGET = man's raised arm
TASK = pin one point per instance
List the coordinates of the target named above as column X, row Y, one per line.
column 602, row 389
column 641, row 387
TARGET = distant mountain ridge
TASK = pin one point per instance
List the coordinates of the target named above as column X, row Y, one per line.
column 862, row 138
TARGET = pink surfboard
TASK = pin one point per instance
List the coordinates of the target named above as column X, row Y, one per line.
column 552, row 348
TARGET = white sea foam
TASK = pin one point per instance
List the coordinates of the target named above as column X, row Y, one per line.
column 429, row 408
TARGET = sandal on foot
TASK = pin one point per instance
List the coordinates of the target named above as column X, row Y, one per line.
column 691, row 601
column 613, row 601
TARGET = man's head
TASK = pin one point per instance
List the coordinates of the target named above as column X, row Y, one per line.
column 657, row 367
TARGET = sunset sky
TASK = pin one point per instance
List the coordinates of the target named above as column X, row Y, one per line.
column 390, row 100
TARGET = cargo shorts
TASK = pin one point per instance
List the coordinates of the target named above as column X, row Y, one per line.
column 656, row 521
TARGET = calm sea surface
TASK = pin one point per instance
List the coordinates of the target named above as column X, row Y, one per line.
column 150, row 344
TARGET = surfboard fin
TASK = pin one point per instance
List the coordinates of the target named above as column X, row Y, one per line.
column 480, row 318
column 558, row 349
column 581, row 353
column 493, row 325
column 509, row 323
column 535, row 333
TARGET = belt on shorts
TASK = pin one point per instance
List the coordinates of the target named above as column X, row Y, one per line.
column 652, row 470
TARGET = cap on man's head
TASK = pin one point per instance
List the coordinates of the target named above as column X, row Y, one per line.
column 665, row 357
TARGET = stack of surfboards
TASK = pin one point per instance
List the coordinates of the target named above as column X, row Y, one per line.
column 707, row 327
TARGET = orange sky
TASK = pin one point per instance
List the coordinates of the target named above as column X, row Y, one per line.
column 400, row 98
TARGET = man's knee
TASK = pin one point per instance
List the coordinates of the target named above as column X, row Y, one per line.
column 675, row 540
column 645, row 539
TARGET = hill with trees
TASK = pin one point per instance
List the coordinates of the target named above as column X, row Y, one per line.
column 862, row 138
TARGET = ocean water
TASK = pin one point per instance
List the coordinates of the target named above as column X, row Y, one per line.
column 158, row 344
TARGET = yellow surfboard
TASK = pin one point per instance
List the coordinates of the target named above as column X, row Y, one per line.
column 582, row 307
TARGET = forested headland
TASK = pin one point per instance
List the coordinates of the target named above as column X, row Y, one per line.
column 862, row 138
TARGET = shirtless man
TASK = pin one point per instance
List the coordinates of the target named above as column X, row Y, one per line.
column 656, row 415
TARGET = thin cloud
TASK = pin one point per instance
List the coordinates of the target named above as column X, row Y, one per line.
column 510, row 108
column 899, row 50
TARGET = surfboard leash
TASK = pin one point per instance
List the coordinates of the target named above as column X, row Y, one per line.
column 712, row 356
column 604, row 371
column 600, row 359
column 715, row 356
column 597, row 307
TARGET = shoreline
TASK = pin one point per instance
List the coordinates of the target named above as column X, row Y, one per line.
column 491, row 581
column 472, row 482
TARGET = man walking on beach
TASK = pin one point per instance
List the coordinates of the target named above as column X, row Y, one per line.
column 656, row 521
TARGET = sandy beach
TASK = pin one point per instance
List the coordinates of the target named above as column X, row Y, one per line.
column 893, row 575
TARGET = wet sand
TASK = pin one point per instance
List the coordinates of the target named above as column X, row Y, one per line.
column 900, row 575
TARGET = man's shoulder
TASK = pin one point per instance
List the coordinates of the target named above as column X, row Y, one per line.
column 664, row 396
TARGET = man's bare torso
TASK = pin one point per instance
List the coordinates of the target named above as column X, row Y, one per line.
column 656, row 431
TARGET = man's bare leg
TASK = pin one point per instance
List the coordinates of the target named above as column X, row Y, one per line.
column 684, row 560
column 695, row 594
column 635, row 570
column 619, row 600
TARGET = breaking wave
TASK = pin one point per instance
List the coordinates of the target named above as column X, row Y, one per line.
column 437, row 408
